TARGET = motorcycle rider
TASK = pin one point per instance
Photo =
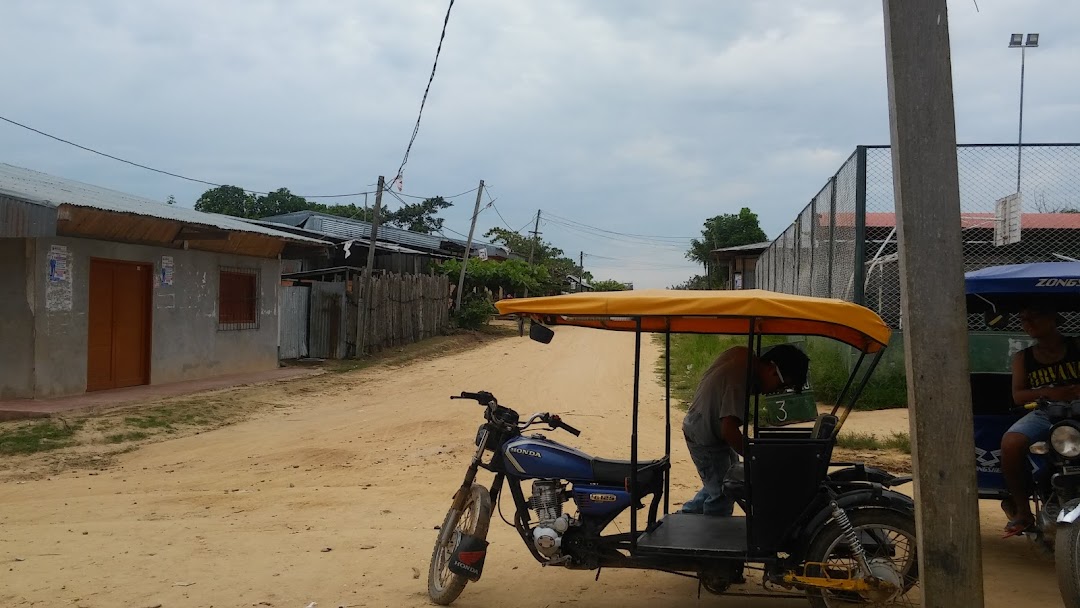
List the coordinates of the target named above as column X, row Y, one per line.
column 712, row 426
column 1049, row 369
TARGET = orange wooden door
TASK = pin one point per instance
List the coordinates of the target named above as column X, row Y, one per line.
column 119, row 331
column 99, row 369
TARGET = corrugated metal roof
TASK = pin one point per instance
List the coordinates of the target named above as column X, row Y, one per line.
column 379, row 245
column 343, row 227
column 49, row 190
column 25, row 219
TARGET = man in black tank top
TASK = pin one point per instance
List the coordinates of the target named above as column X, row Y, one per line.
column 1050, row 369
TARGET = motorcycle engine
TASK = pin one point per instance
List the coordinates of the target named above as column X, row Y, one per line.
column 546, row 501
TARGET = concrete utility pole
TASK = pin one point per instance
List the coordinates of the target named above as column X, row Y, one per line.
column 932, row 298
column 365, row 299
column 468, row 244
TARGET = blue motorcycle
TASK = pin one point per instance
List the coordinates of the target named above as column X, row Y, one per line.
column 834, row 532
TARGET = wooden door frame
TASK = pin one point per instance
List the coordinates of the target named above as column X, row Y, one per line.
column 148, row 367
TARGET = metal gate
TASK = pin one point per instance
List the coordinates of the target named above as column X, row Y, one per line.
column 293, row 306
column 326, row 328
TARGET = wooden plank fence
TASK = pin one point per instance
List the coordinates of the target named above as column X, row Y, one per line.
column 405, row 309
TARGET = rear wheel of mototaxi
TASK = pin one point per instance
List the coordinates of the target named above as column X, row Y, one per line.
column 1067, row 562
column 888, row 539
column 473, row 519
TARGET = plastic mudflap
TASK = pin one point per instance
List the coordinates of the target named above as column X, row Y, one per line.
column 468, row 557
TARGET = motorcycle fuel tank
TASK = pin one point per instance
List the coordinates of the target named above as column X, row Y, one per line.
column 538, row 457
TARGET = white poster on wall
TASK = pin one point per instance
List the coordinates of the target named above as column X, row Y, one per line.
column 58, row 285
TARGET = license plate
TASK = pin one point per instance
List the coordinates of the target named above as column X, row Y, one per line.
column 1066, row 470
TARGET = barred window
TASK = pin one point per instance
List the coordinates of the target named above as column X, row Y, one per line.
column 238, row 299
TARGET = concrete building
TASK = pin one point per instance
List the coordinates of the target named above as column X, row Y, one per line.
column 101, row 289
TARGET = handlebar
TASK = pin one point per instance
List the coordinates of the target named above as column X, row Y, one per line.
column 483, row 397
column 487, row 399
column 555, row 421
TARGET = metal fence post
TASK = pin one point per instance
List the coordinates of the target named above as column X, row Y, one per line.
column 832, row 233
column 859, row 289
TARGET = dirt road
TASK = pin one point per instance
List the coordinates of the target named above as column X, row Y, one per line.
column 332, row 497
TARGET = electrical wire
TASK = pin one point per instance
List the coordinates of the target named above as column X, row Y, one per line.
column 162, row 171
column 629, row 242
column 640, row 236
column 416, row 129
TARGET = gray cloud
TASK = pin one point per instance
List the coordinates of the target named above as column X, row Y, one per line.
column 625, row 115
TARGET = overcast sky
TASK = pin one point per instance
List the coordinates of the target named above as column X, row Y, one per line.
column 635, row 117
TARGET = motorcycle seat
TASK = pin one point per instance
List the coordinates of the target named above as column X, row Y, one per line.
column 617, row 472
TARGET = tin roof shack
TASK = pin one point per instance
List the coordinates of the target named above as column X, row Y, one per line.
column 100, row 289
column 741, row 264
column 397, row 250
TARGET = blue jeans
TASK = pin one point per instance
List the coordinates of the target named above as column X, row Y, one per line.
column 712, row 462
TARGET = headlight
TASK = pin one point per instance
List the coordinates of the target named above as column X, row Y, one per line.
column 1066, row 441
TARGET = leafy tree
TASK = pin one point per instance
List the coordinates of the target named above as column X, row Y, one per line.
column 556, row 263
column 420, row 217
column 513, row 276
column 698, row 281
column 609, row 285
column 171, row 200
column 234, row 201
column 228, row 200
column 279, row 202
column 726, row 230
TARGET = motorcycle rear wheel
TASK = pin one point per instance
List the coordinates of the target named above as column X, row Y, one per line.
column 897, row 529
column 1067, row 562
column 474, row 518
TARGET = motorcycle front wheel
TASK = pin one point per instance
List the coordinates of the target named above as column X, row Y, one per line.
column 1067, row 558
column 473, row 519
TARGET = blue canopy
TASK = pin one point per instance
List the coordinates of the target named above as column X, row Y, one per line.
column 1025, row 279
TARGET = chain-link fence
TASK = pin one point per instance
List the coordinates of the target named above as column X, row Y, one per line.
column 844, row 243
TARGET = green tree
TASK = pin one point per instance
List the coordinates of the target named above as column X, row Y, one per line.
column 279, row 202
column 609, row 285
column 698, row 281
column 726, row 230
column 228, row 200
column 555, row 262
column 420, row 217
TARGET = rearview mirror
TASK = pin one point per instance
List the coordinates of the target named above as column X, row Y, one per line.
column 540, row 333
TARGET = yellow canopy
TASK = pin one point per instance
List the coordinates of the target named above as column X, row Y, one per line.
column 709, row 312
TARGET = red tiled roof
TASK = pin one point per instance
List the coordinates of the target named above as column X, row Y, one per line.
column 1028, row 221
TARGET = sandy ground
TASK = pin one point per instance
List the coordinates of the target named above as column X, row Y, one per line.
column 332, row 497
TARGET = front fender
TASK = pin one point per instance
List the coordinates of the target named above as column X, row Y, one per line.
column 1069, row 513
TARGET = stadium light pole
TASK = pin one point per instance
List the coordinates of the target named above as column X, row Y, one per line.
column 1022, row 42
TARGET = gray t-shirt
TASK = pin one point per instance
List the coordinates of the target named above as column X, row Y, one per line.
column 721, row 393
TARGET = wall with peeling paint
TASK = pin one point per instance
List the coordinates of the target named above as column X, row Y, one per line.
column 185, row 344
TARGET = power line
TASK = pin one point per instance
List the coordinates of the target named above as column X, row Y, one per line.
column 445, row 197
column 641, row 236
column 416, row 129
column 628, row 241
column 162, row 171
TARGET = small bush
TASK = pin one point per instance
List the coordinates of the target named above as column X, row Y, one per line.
column 475, row 312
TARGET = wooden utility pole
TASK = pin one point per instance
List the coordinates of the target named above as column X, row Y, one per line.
column 468, row 244
column 532, row 246
column 927, row 194
column 365, row 295
column 581, row 272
